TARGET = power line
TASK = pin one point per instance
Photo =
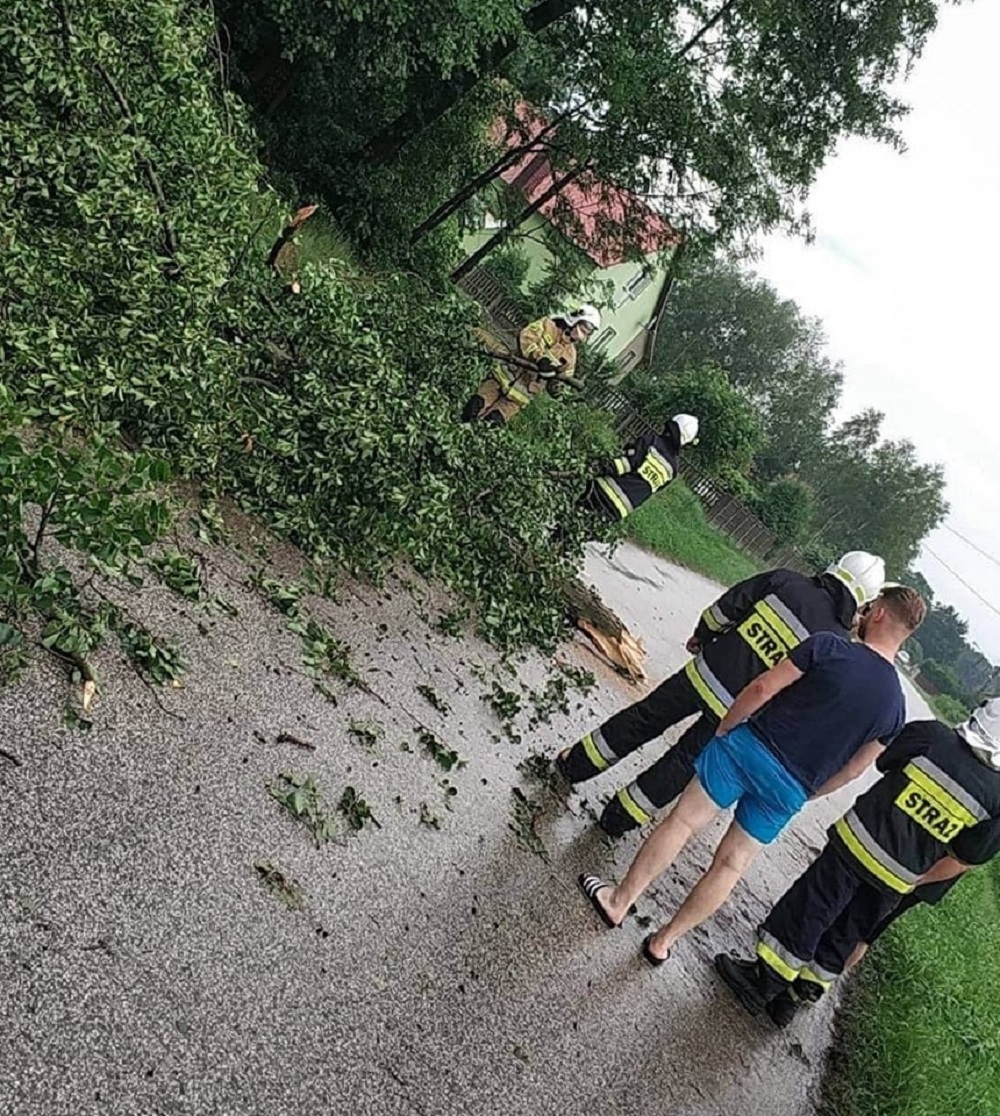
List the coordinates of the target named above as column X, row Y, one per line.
column 958, row 577
column 975, row 546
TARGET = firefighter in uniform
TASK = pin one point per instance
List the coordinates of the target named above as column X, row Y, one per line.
column 934, row 813
column 551, row 344
column 646, row 466
column 749, row 629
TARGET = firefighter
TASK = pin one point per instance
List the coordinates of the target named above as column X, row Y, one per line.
column 745, row 632
column 804, row 729
column 934, row 813
column 645, row 466
column 551, row 344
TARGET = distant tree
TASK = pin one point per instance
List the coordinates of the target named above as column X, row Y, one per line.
column 730, row 434
column 722, row 314
column 786, row 507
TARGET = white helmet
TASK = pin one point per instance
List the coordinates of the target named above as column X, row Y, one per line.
column 587, row 313
column 861, row 572
column 982, row 731
column 688, row 426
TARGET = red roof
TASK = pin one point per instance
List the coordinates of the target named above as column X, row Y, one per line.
column 598, row 217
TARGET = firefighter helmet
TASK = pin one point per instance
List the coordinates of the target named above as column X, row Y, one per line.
column 861, row 572
column 688, row 426
column 982, row 731
column 586, row 315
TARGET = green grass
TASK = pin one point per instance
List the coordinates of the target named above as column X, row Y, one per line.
column 673, row 524
column 920, row 1034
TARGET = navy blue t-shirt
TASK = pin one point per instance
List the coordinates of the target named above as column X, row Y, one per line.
column 847, row 696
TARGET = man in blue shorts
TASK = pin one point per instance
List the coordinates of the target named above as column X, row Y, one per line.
column 813, row 723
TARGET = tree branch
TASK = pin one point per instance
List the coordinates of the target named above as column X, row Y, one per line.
column 169, row 236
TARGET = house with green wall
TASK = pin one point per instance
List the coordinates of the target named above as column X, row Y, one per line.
column 626, row 249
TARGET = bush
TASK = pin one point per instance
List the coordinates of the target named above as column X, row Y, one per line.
column 944, row 679
column 949, row 709
column 786, row 508
column 137, row 312
column 730, row 434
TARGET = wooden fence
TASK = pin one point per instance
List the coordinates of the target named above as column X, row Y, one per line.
column 722, row 511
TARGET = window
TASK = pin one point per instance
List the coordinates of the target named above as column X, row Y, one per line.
column 637, row 284
column 604, row 339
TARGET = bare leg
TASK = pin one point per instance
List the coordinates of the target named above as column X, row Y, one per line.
column 694, row 810
column 732, row 858
column 857, row 955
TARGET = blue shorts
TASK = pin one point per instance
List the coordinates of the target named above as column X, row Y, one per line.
column 738, row 768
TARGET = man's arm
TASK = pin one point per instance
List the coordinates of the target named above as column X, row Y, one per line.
column 862, row 759
column 947, row 868
column 758, row 693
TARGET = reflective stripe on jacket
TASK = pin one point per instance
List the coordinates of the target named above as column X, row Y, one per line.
column 755, row 624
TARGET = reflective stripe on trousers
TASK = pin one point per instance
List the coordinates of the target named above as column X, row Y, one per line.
column 709, row 688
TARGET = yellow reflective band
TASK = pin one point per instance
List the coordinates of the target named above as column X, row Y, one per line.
column 610, row 489
column 622, row 466
column 502, row 376
column 865, row 857
column 632, row 808
column 933, row 789
column 593, row 754
column 773, row 961
column 928, row 812
column 706, row 695
column 709, row 620
column 778, row 626
column 655, row 471
column 763, row 639
column 814, row 978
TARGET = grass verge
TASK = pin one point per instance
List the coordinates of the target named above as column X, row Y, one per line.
column 920, row 1033
column 673, row 524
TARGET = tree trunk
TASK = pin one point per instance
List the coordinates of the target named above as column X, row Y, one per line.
column 386, row 145
column 474, row 185
column 504, row 234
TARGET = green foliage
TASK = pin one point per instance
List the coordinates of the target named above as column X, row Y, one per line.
column 720, row 313
column 730, row 434
column 446, row 758
column 786, row 508
column 949, row 709
column 673, row 524
column 919, row 1035
column 945, row 681
column 178, row 572
column 13, row 654
column 161, row 662
column 356, row 811
column 301, row 797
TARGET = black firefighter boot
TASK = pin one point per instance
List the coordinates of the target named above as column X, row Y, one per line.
column 615, row 820
column 744, row 980
column 783, row 1008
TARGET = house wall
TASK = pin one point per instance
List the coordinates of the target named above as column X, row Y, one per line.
column 624, row 320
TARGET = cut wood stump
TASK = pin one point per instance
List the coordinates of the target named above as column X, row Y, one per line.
column 605, row 630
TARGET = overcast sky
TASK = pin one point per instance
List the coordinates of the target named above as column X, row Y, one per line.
column 904, row 275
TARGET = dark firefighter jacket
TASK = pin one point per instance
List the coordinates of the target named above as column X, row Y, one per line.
column 754, row 625
column 936, row 798
column 647, row 465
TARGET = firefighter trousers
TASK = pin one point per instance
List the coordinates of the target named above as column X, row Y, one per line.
column 813, row 928
column 671, row 702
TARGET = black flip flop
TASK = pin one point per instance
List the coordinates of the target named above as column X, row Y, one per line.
column 592, row 886
column 650, row 957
